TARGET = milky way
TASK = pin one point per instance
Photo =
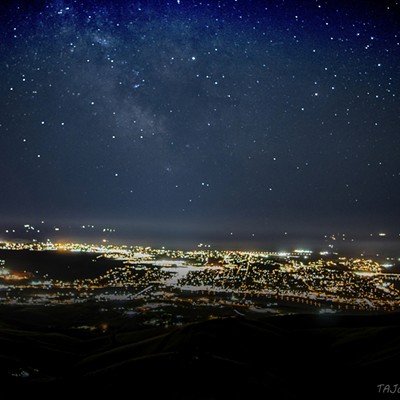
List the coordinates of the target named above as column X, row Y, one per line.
column 229, row 120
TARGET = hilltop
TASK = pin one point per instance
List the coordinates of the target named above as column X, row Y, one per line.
column 285, row 357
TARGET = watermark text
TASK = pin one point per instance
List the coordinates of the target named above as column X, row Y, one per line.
column 389, row 388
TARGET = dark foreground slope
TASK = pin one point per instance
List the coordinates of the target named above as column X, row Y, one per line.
column 298, row 356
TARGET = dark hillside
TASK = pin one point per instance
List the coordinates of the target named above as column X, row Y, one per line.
column 299, row 356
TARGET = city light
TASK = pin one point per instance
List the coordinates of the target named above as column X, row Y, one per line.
column 253, row 280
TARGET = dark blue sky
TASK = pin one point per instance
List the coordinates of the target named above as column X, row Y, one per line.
column 223, row 120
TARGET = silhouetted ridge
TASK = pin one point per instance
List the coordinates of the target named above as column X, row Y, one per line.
column 289, row 357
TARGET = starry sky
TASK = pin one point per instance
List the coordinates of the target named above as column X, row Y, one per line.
column 239, row 122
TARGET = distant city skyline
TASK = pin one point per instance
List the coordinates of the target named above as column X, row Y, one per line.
column 376, row 245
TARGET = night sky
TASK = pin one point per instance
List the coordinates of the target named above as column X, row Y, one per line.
column 238, row 123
